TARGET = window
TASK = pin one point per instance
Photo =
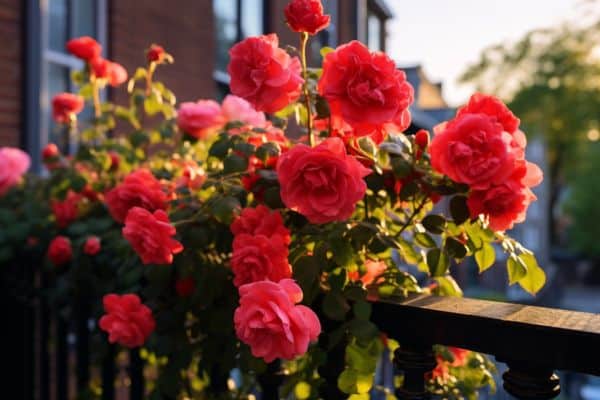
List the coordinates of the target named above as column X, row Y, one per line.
column 374, row 32
column 328, row 36
column 61, row 21
column 234, row 21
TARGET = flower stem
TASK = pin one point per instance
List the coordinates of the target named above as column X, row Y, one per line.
column 149, row 76
column 303, row 42
column 96, row 97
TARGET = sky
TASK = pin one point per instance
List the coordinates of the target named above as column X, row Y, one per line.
column 445, row 36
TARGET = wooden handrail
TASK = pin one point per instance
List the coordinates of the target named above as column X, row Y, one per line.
column 534, row 341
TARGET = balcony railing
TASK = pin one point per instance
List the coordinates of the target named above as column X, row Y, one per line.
column 533, row 341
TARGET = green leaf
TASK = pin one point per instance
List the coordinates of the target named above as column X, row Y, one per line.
column 362, row 310
column 455, row 248
column 234, row 163
column 306, row 273
column 535, row 278
column 343, row 252
column 225, row 209
column 434, row 223
column 447, row 286
column 153, row 104
column 459, row 209
column 363, row 330
column 438, row 262
column 517, row 269
column 325, row 50
column 335, row 306
column 424, row 240
column 485, row 257
column 353, row 382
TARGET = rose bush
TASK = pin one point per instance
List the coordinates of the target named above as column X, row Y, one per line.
column 204, row 234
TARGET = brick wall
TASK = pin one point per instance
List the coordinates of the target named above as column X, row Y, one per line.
column 183, row 27
column 10, row 72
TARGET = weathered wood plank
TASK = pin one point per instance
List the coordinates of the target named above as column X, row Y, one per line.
column 544, row 337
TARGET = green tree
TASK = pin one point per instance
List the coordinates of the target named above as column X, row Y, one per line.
column 551, row 79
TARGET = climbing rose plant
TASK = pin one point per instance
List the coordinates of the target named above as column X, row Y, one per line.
column 212, row 238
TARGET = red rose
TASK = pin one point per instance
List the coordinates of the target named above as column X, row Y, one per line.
column 50, row 151
column 92, row 246
column 115, row 160
column 365, row 89
column 506, row 203
column 322, row 183
column 60, row 251
column 127, row 321
column 256, row 258
column 200, row 119
column 260, row 221
column 474, row 149
column 150, row 235
column 67, row 210
column 113, row 72
column 306, row 16
column 84, row 47
column 263, row 74
column 185, row 287
column 155, row 54
column 139, row 189
column 489, row 105
column 373, row 269
column 271, row 322
column 65, row 106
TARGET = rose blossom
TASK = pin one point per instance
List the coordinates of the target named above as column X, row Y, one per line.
column 256, row 258
column 269, row 320
column 60, row 251
column 150, row 235
column 322, row 183
column 235, row 108
column 50, row 151
column 139, row 189
column 365, row 89
column 373, row 270
column 92, row 246
column 263, row 74
column 127, row 321
column 13, row 164
column 422, row 138
column 260, row 221
column 85, row 48
column 65, row 106
column 474, row 149
column 306, row 16
column 113, row 72
column 200, row 119
column 66, row 211
column 491, row 106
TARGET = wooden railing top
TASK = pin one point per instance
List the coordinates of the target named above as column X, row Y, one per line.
column 536, row 336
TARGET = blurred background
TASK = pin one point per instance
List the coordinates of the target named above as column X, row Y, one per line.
column 542, row 57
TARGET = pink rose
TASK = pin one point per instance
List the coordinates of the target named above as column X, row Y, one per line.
column 200, row 119
column 235, row 108
column 256, row 258
column 127, row 321
column 269, row 320
column 474, row 149
column 151, row 236
column 322, row 183
column 260, row 221
column 263, row 74
column 365, row 89
column 13, row 164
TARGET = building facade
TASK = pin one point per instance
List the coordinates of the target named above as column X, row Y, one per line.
column 34, row 65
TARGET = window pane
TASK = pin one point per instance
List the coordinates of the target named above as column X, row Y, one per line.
column 84, row 18
column 374, row 33
column 252, row 18
column 58, row 81
column 57, row 24
column 226, row 30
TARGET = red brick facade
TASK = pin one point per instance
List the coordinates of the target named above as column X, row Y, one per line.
column 11, row 72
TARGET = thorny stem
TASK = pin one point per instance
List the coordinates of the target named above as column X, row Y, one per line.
column 149, row 76
column 413, row 215
column 96, row 97
column 303, row 41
